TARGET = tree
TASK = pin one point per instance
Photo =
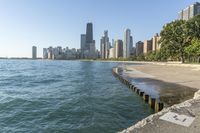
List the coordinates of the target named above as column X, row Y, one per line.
column 173, row 39
column 192, row 28
column 193, row 50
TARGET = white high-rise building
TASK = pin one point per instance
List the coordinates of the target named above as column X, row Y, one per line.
column 111, row 53
column 127, row 43
column 105, row 45
column 34, row 52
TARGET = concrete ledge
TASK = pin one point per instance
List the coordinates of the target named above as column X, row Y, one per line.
column 153, row 124
column 153, row 103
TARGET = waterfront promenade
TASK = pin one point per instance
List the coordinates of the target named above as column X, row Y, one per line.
column 173, row 73
column 183, row 74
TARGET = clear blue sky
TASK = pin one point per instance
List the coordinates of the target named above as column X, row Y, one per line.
column 44, row 23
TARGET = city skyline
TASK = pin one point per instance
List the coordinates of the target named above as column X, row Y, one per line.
column 56, row 24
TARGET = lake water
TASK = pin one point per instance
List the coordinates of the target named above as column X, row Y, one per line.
column 65, row 96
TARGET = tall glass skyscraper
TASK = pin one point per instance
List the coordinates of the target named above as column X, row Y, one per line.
column 88, row 48
column 89, row 33
column 105, row 45
column 127, row 43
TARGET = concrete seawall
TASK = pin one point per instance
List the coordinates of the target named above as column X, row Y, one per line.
column 154, row 103
column 177, row 103
column 154, row 123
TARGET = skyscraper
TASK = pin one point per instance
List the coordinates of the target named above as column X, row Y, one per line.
column 155, row 42
column 111, row 53
column 139, row 48
column 50, row 53
column 147, row 47
column 83, row 44
column 88, row 49
column 34, row 52
column 118, row 48
column 45, row 53
column 189, row 12
column 105, row 45
column 131, row 45
column 89, row 35
column 127, row 43
column 113, row 43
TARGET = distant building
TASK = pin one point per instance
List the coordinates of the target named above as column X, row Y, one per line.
column 59, row 53
column 147, row 47
column 118, row 47
column 88, row 49
column 111, row 53
column 133, row 51
column 139, row 48
column 113, row 43
column 98, row 54
column 50, row 53
column 45, row 53
column 127, row 43
column 89, row 33
column 92, row 50
column 34, row 52
column 83, row 44
column 131, row 46
column 189, row 12
column 105, row 45
column 155, row 42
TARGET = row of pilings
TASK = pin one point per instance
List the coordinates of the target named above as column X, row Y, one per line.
column 154, row 103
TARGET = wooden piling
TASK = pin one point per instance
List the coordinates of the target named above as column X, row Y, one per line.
column 141, row 93
column 146, row 98
column 158, row 106
column 152, row 102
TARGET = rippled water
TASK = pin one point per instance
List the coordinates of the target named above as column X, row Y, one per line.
column 65, row 96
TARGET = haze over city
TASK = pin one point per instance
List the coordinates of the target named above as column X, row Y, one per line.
column 60, row 23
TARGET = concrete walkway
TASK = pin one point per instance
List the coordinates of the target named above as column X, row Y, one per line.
column 183, row 74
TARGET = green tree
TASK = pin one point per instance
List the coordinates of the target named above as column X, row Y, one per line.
column 192, row 28
column 173, row 39
column 193, row 50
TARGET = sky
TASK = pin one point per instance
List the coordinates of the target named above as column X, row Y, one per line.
column 44, row 23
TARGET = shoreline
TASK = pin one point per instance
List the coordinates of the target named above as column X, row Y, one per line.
column 152, row 121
